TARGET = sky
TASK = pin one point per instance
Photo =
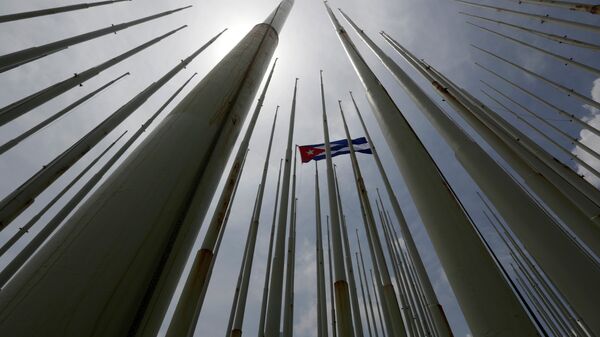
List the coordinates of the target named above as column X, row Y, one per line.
column 431, row 29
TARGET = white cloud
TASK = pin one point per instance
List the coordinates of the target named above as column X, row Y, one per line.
column 589, row 138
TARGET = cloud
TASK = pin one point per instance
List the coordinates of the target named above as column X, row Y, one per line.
column 589, row 138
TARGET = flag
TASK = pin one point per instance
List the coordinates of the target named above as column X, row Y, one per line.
column 339, row 147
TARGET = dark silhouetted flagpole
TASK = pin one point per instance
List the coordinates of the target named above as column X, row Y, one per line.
column 558, row 38
column 263, row 307
column 322, row 330
column 191, row 301
column 464, row 257
column 26, row 104
column 55, row 10
column 142, row 223
column 541, row 18
column 61, row 215
column 13, row 142
column 17, row 201
column 21, row 57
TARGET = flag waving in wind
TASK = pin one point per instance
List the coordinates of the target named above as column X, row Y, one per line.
column 338, row 147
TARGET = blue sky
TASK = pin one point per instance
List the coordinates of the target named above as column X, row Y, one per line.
column 431, row 29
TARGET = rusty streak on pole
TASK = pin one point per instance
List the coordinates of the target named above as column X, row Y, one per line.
column 26, row 104
column 263, row 307
column 191, row 300
column 13, row 204
column 21, row 57
column 18, row 261
column 557, row 38
column 13, row 142
column 542, row 18
column 55, row 10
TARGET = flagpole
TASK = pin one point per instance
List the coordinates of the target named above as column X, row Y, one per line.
column 560, row 87
column 288, row 300
column 322, row 330
column 15, row 141
column 433, row 305
column 263, row 307
column 571, row 6
column 28, row 103
column 273, row 320
column 467, row 263
column 563, row 191
column 253, row 232
column 388, row 296
column 331, row 298
column 364, row 299
column 55, row 10
column 405, row 308
column 379, row 307
column 191, row 300
column 364, row 273
column 21, row 57
column 557, row 38
column 358, row 328
column 27, row 252
column 564, row 60
column 13, row 204
column 541, row 18
column 342, row 296
column 517, row 207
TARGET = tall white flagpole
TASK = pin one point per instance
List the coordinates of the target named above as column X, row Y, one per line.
column 322, row 330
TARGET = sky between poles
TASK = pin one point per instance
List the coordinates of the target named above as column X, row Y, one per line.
column 432, row 29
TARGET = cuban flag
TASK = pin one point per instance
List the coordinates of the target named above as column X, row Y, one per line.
column 339, row 147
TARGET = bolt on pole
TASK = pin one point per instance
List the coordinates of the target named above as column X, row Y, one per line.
column 21, row 57
column 55, row 10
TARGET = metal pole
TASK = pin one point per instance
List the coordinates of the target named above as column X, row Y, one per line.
column 571, row 117
column 322, row 330
column 558, row 38
column 541, row 18
column 536, row 305
column 559, row 146
column 13, row 204
column 254, row 224
column 191, row 300
column 561, row 189
column 263, row 307
column 26, row 104
column 364, row 274
column 569, row 92
column 561, row 58
column 55, row 10
column 572, row 6
column 358, row 328
column 19, row 260
column 25, row 229
column 458, row 245
column 364, row 299
column 142, row 221
column 406, row 309
column 273, row 320
column 441, row 324
column 395, row 324
column 377, row 295
column 238, row 285
column 13, row 142
column 342, row 296
column 21, row 57
column 332, row 300
column 290, row 272
column 571, row 139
